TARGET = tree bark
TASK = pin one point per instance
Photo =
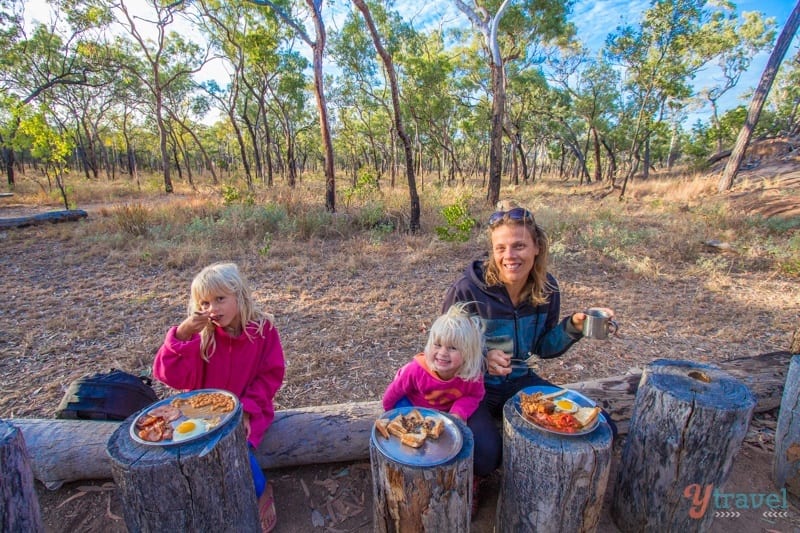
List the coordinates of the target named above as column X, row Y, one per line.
column 786, row 461
column 759, row 97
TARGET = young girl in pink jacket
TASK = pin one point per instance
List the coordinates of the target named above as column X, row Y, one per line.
column 227, row 342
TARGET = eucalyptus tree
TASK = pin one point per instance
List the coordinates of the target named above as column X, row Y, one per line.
column 388, row 63
column 168, row 59
column 510, row 32
column 660, row 56
column 785, row 96
column 32, row 65
column 283, row 10
column 759, row 97
column 737, row 43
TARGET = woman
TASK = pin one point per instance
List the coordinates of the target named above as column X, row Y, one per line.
column 519, row 303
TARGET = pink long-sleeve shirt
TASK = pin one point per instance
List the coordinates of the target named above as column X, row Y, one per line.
column 423, row 388
column 253, row 370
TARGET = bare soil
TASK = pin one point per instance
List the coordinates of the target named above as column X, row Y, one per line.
column 350, row 312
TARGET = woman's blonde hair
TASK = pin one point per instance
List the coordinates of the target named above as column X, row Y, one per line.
column 225, row 278
column 458, row 328
column 537, row 278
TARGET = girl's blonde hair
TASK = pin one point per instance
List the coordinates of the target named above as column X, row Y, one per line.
column 225, row 278
column 458, row 328
column 537, row 279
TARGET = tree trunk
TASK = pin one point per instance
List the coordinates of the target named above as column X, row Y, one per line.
column 759, row 97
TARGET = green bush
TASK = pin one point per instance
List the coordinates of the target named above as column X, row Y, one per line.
column 459, row 223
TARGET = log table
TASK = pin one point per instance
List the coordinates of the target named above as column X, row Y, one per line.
column 430, row 498
column 19, row 506
column 688, row 422
column 786, row 462
column 551, row 482
column 200, row 485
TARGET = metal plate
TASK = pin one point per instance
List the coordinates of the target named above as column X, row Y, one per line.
column 576, row 397
column 433, row 452
column 224, row 417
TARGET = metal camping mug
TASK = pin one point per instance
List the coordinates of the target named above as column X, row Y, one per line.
column 598, row 324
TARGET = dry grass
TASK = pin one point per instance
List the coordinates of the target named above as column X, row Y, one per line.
column 353, row 298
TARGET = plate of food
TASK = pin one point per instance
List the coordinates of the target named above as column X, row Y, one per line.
column 184, row 417
column 559, row 411
column 417, row 436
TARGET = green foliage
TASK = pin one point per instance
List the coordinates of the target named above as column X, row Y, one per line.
column 366, row 185
column 459, row 223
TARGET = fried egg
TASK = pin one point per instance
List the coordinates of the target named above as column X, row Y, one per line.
column 187, row 429
column 566, row 406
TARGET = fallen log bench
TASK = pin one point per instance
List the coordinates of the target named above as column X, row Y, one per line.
column 69, row 215
column 69, row 450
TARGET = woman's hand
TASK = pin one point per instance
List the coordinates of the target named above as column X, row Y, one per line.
column 578, row 318
column 498, row 363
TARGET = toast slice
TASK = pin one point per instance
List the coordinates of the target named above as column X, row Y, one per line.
column 415, row 440
column 586, row 415
column 396, row 428
column 433, row 426
column 381, row 425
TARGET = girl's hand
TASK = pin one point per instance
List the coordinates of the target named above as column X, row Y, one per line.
column 246, row 422
column 195, row 323
column 498, row 363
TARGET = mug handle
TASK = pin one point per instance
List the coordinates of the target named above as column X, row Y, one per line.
column 612, row 330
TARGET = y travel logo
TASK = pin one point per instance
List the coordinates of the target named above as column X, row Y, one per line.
column 731, row 504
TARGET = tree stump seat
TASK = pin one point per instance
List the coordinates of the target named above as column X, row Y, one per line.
column 201, row 485
column 688, row 422
column 786, row 461
column 551, row 482
column 434, row 499
column 19, row 506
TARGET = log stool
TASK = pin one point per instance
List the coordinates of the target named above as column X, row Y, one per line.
column 786, row 463
column 202, row 485
column 434, row 498
column 688, row 422
column 19, row 506
column 551, row 482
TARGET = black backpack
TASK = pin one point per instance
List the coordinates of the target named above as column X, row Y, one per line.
column 111, row 396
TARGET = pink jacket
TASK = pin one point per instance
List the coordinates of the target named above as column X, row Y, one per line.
column 251, row 369
column 423, row 388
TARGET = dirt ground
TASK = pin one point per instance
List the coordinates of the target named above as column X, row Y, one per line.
column 351, row 313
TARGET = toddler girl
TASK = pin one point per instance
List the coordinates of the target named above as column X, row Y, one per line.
column 448, row 375
column 227, row 342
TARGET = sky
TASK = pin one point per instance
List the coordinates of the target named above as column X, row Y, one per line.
column 594, row 21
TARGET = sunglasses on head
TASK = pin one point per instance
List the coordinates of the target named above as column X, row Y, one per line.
column 518, row 214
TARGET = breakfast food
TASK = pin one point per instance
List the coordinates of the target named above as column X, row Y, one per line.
column 188, row 429
column 153, row 428
column 217, row 402
column 411, row 428
column 562, row 415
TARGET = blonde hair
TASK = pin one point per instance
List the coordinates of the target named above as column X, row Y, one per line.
column 458, row 328
column 537, row 278
column 225, row 278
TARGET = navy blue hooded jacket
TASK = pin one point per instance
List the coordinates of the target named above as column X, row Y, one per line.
column 534, row 330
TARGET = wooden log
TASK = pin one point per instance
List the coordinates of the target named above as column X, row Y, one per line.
column 178, row 488
column 423, row 498
column 688, row 423
column 69, row 215
column 70, row 450
column 19, row 506
column 786, row 462
column 551, row 483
